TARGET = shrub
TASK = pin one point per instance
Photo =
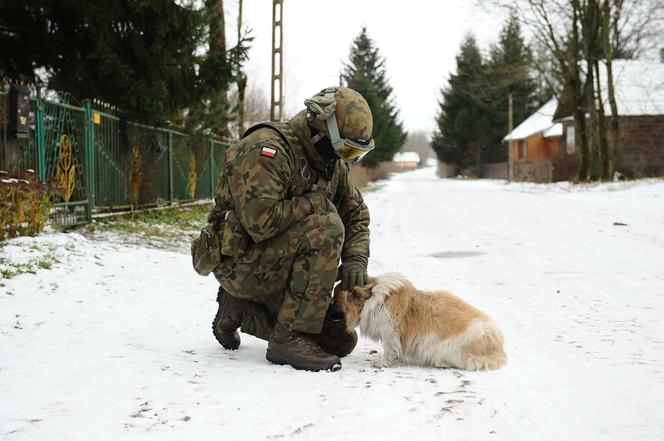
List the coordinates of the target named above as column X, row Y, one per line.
column 25, row 204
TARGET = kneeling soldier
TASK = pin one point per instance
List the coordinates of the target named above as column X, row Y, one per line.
column 285, row 214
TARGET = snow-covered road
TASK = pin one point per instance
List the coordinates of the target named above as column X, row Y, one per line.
column 114, row 341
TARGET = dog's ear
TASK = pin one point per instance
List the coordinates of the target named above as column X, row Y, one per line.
column 363, row 292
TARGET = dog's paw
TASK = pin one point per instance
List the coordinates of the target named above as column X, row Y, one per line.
column 378, row 364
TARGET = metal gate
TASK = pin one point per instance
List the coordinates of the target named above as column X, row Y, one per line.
column 102, row 162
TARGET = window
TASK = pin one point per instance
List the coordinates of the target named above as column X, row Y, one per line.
column 570, row 140
column 521, row 151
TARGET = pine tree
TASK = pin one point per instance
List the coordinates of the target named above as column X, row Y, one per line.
column 212, row 112
column 463, row 119
column 510, row 72
column 366, row 73
column 143, row 57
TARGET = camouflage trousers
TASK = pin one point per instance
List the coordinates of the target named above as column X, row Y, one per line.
column 288, row 277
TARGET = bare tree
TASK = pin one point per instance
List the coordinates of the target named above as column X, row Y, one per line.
column 256, row 105
column 581, row 35
column 610, row 20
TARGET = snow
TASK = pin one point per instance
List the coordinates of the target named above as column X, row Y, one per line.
column 406, row 157
column 639, row 87
column 555, row 131
column 540, row 121
column 114, row 341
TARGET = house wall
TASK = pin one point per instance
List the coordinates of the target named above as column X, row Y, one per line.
column 552, row 146
column 537, row 171
column 642, row 146
column 537, row 165
column 406, row 165
column 641, row 149
column 537, row 148
column 566, row 161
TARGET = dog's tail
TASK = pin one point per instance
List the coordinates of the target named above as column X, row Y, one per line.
column 485, row 351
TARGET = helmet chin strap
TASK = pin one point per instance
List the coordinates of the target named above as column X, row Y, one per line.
column 332, row 127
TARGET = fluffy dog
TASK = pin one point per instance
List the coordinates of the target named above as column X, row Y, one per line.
column 426, row 328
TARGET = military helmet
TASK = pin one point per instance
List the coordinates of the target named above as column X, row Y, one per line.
column 344, row 116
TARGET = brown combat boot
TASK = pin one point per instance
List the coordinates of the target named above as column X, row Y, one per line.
column 228, row 320
column 300, row 350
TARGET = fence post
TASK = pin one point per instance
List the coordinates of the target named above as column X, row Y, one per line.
column 41, row 139
column 211, row 144
column 89, row 137
column 170, row 166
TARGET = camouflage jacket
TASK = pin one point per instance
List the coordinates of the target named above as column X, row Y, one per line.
column 271, row 185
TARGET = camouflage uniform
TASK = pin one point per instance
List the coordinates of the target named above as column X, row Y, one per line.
column 284, row 219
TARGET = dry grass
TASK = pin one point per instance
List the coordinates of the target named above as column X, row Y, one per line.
column 25, row 204
column 362, row 176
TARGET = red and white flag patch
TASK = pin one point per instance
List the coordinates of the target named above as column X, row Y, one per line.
column 269, row 152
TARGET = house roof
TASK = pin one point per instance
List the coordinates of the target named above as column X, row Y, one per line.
column 540, row 121
column 554, row 131
column 406, row 157
column 639, row 87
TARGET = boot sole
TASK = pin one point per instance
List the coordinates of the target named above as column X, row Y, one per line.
column 218, row 337
column 277, row 359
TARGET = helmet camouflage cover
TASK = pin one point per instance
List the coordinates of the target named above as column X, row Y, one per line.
column 353, row 115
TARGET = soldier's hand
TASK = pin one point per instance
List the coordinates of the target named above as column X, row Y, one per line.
column 354, row 273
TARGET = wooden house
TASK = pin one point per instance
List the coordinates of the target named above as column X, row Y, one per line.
column 639, row 89
column 406, row 160
column 545, row 150
column 536, row 143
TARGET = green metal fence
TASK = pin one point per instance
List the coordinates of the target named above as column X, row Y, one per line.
column 102, row 162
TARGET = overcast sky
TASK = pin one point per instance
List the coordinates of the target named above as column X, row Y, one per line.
column 418, row 38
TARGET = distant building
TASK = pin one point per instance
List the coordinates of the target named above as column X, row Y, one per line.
column 536, row 145
column 545, row 150
column 407, row 160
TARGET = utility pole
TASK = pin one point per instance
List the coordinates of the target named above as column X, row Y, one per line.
column 510, row 143
column 277, row 104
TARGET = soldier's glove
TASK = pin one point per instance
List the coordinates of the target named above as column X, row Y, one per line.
column 354, row 272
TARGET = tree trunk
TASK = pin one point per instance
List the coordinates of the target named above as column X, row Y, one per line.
column 241, row 77
column 217, row 42
column 605, row 163
column 615, row 122
column 217, row 27
column 574, row 79
column 592, row 132
column 478, row 158
column 590, row 28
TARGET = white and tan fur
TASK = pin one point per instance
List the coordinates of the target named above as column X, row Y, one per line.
column 426, row 328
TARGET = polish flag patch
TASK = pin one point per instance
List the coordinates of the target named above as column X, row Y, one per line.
column 269, row 152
